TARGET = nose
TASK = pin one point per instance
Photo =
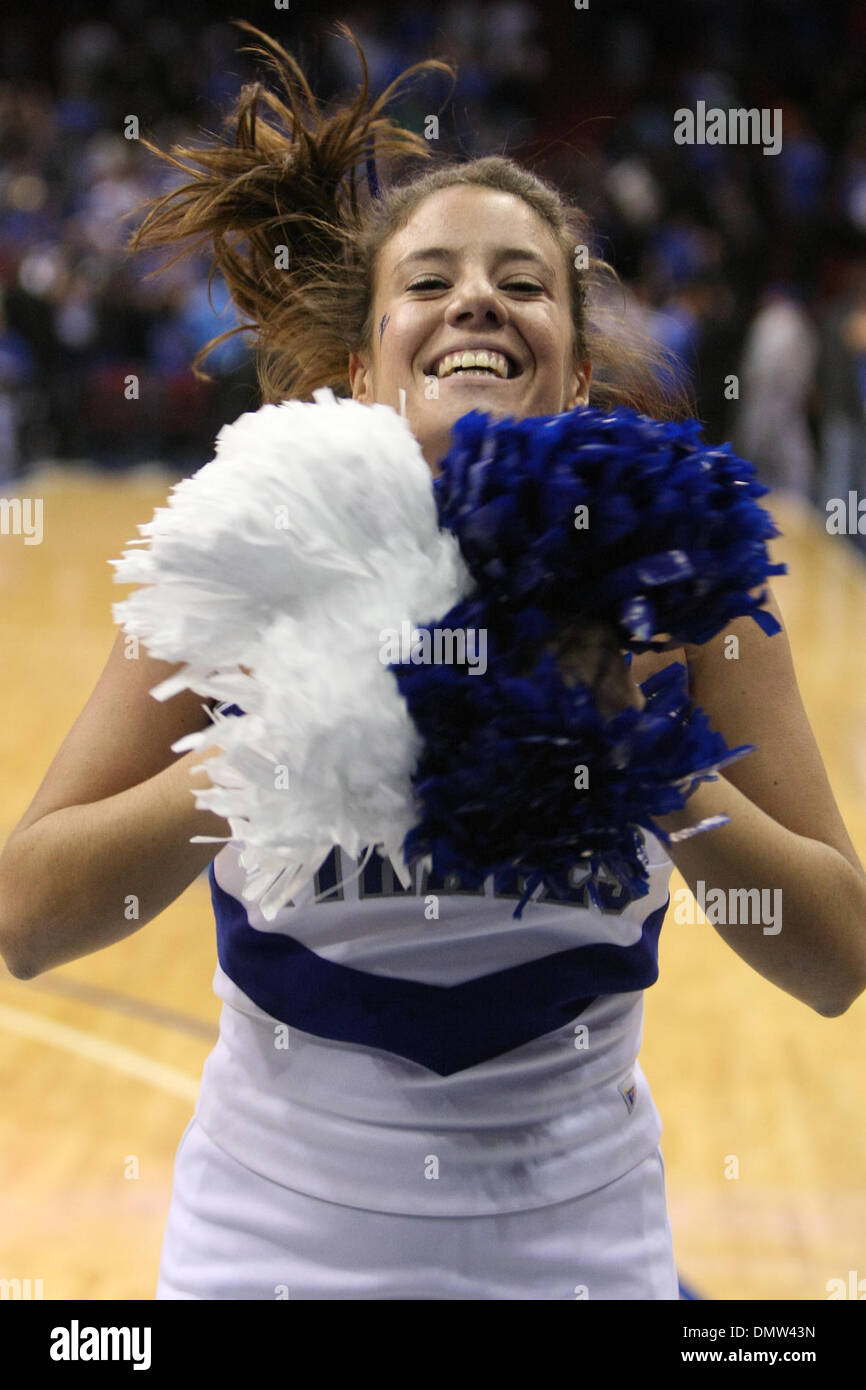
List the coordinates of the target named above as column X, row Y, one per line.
column 475, row 302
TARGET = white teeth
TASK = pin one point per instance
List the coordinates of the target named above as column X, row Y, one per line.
column 494, row 361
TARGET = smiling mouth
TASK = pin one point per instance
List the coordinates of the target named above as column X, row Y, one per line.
column 474, row 374
column 483, row 363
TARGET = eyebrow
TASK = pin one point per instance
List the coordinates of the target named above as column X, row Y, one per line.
column 443, row 253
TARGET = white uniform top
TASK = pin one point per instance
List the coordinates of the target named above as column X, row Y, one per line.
column 376, row 1054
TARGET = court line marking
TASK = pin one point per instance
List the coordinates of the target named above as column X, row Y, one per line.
column 108, row 1054
column 130, row 1004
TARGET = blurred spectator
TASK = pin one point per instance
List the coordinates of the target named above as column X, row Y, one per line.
column 17, row 371
column 777, row 377
column 842, row 394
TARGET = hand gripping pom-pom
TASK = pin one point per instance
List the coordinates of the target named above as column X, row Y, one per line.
column 495, row 783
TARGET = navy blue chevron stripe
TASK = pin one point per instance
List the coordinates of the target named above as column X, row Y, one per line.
column 445, row 1028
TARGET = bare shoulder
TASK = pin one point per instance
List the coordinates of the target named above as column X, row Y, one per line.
column 122, row 736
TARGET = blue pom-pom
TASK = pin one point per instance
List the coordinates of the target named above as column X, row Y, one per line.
column 495, row 783
column 668, row 548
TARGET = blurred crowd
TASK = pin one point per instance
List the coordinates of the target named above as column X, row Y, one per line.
column 751, row 267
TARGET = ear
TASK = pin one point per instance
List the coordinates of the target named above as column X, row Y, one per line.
column 578, row 385
column 360, row 379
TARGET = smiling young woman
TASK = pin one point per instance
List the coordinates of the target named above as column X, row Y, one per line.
column 478, row 1069
column 474, row 270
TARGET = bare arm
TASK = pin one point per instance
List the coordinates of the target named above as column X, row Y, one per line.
column 786, row 833
column 104, row 846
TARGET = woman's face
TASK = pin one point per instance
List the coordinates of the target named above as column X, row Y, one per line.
column 473, row 269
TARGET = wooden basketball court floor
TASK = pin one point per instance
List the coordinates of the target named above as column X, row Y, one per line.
column 100, row 1059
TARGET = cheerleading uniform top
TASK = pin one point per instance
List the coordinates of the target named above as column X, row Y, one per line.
column 423, row 1051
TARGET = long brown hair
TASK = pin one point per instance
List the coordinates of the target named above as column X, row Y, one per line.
column 296, row 234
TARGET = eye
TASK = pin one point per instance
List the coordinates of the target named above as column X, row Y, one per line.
column 435, row 282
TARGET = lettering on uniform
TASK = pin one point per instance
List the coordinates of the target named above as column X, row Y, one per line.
column 378, row 880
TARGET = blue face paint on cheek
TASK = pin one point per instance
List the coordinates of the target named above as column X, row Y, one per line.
column 382, row 323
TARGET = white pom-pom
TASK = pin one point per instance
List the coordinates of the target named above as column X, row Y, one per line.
column 297, row 498
column 311, row 534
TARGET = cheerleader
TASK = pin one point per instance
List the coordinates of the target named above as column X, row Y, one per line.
column 416, row 1094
